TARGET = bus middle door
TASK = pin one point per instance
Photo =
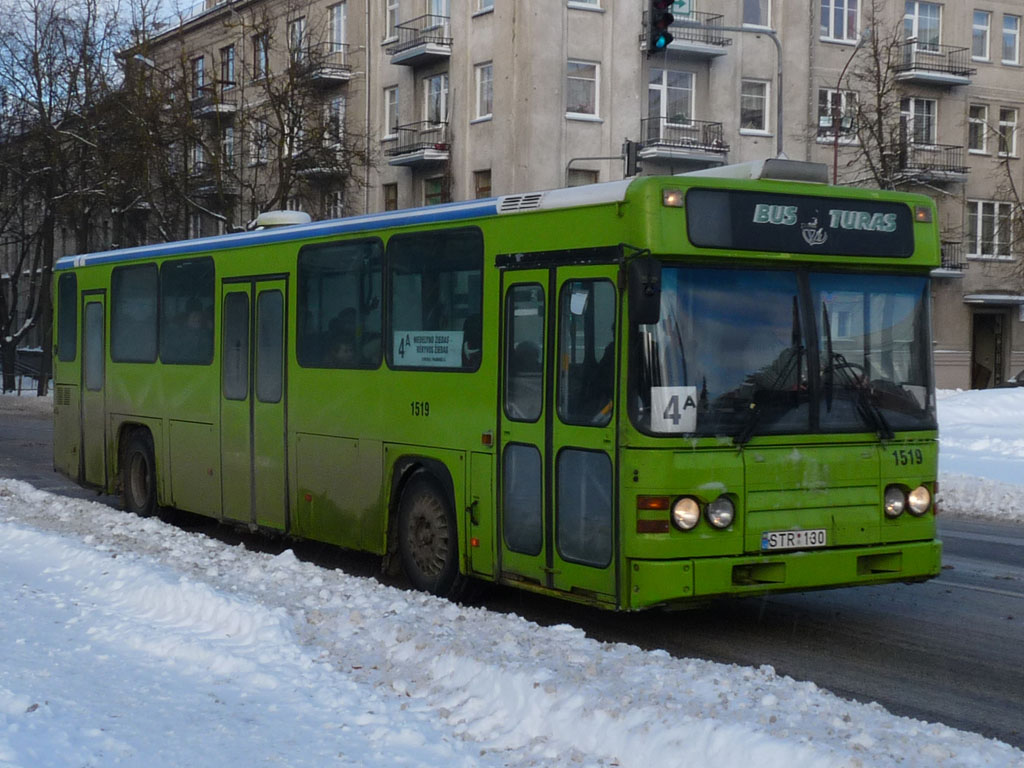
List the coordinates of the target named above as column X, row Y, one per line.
column 558, row 430
column 253, row 439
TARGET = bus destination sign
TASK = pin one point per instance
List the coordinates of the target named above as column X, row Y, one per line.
column 762, row 221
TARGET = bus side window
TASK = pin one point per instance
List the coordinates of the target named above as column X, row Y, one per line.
column 524, row 320
column 67, row 317
column 586, row 371
column 186, row 311
column 436, row 284
column 133, row 314
column 339, row 308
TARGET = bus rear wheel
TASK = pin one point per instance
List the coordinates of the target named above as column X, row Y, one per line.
column 138, row 475
column 428, row 537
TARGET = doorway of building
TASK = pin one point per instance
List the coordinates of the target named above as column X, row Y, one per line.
column 987, row 346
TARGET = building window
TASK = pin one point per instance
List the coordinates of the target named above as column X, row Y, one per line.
column 260, row 57
column 227, row 67
column 989, row 229
column 580, row 176
column 834, row 104
column 977, row 128
column 197, row 156
column 390, row 197
column 336, row 29
column 434, row 191
column 839, row 19
column 754, row 105
column 297, row 39
column 484, row 89
column 979, row 36
column 485, row 5
column 670, row 97
column 482, row 184
column 227, row 147
column 919, row 117
column 335, row 204
column 198, row 79
column 435, row 99
column 757, row 13
column 581, row 88
column 391, row 19
column 1011, row 39
column 391, row 112
column 259, row 143
column 922, row 21
column 335, row 132
column 1008, row 131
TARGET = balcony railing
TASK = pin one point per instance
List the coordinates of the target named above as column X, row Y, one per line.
column 209, row 180
column 218, row 98
column 423, row 142
column 425, row 37
column 696, row 135
column 937, row 161
column 943, row 64
column 695, row 32
column 327, row 63
column 953, row 256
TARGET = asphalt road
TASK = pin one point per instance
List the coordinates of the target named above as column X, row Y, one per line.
column 950, row 650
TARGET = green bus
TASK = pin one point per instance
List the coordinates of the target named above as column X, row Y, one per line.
column 630, row 394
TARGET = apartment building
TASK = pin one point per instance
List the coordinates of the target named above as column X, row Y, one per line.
column 406, row 103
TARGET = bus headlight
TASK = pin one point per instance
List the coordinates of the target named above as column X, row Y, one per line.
column 721, row 512
column 919, row 501
column 685, row 513
column 895, row 501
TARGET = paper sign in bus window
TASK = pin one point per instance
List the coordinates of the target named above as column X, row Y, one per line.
column 674, row 409
column 429, row 349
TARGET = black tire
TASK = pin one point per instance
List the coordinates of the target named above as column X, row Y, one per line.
column 428, row 537
column 138, row 475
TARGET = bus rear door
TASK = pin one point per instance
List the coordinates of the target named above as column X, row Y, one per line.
column 558, row 430
column 252, row 427
column 93, row 440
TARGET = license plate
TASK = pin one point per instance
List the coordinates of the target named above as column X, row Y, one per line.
column 808, row 539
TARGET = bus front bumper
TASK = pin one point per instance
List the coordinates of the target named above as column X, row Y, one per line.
column 666, row 582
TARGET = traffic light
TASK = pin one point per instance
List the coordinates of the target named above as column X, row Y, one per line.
column 659, row 19
column 631, row 154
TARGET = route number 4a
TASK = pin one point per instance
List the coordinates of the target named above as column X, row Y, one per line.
column 673, row 410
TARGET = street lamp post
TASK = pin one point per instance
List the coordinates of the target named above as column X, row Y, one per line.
column 837, row 99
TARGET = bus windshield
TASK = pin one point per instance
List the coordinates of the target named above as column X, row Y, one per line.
column 742, row 352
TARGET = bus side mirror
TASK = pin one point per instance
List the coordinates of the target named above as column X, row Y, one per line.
column 644, row 291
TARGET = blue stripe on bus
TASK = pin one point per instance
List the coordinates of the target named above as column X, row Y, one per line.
column 426, row 215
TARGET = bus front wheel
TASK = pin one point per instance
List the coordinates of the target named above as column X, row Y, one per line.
column 428, row 537
column 138, row 475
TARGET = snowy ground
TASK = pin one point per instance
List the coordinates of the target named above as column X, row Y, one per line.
column 129, row 642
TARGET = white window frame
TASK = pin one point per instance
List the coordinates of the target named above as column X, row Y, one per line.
column 227, row 146
column 335, row 114
column 847, row 108
column 260, row 56
column 484, row 6
column 390, row 112
column 337, row 26
column 435, row 89
column 763, row 11
column 197, row 70
column 981, row 30
column 297, row 39
column 980, row 124
column 909, row 110
column 484, row 79
column 765, row 97
column 830, row 9
column 1008, row 117
column 999, row 214
column 1011, row 39
column 662, row 88
column 912, row 24
column 390, row 20
column 227, row 67
column 575, row 72
column 259, row 143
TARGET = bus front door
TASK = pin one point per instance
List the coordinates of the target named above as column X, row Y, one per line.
column 558, row 430
column 252, row 426
column 93, row 439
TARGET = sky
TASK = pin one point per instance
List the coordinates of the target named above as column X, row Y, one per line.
column 131, row 642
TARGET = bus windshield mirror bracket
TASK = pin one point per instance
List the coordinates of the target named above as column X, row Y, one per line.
column 644, row 290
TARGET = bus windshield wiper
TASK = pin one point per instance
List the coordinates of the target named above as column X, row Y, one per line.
column 869, row 412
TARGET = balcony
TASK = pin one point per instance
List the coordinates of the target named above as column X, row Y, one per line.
column 953, row 261
column 419, row 144
column 327, row 64
column 219, row 99
column 211, row 180
column 677, row 140
column 933, row 64
column 934, row 163
column 696, row 35
column 321, row 166
column 422, row 40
